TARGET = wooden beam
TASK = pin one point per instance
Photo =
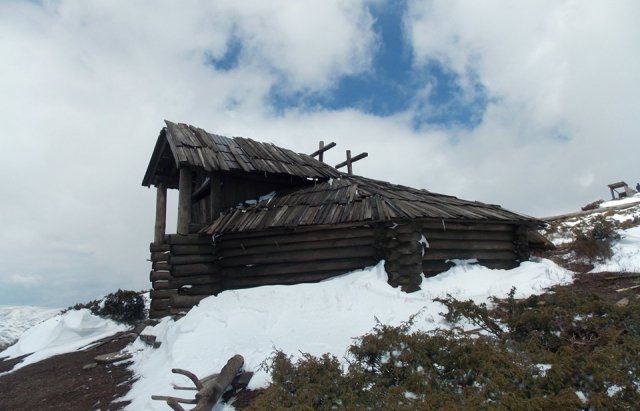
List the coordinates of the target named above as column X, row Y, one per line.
column 161, row 214
column 184, row 201
column 215, row 196
column 350, row 160
column 321, row 149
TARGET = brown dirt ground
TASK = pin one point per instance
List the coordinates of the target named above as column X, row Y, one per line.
column 60, row 383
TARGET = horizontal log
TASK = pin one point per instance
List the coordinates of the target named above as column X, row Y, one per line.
column 176, row 282
column 310, row 245
column 208, row 289
column 436, row 265
column 451, row 225
column 405, row 259
column 189, row 239
column 468, row 254
column 194, row 269
column 161, row 266
column 499, row 264
column 160, row 303
column 285, row 279
column 297, row 230
column 186, row 301
column 159, row 275
column 159, row 256
column 160, row 285
column 191, row 249
column 306, row 267
column 471, row 245
column 163, row 293
column 158, row 247
column 299, row 256
column 237, row 241
column 175, row 260
column 469, row 235
column 156, row 313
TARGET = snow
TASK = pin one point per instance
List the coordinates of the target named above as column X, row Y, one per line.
column 626, row 253
column 309, row 318
column 616, row 203
column 16, row 319
column 63, row 333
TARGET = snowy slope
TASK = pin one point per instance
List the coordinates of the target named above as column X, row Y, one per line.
column 308, row 318
column 16, row 319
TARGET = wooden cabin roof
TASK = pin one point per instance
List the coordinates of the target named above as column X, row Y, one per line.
column 350, row 199
column 193, row 147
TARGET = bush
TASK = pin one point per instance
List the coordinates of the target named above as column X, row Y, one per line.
column 585, row 344
column 123, row 306
column 594, row 244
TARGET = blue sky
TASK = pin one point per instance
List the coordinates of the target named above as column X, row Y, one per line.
column 531, row 105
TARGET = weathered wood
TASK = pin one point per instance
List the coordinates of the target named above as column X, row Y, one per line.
column 499, row 264
column 433, row 234
column 160, row 285
column 308, row 230
column 189, row 239
column 213, row 389
column 194, row 269
column 158, row 247
column 451, row 225
column 176, row 282
column 236, row 241
column 202, row 289
column 161, row 303
column 184, row 201
column 159, row 256
column 215, row 196
column 161, row 266
column 191, row 249
column 468, row 254
column 284, row 279
column 321, row 149
column 286, row 247
column 161, row 214
column 176, row 260
column 306, row 267
column 163, row 293
column 186, row 301
column 159, row 275
column 471, row 245
column 300, row 256
column 156, row 313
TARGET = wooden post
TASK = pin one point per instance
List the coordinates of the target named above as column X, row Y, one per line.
column 184, row 201
column 161, row 214
column 349, row 167
column 215, row 195
column 320, row 149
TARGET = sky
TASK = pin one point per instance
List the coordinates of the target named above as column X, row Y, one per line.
column 531, row 105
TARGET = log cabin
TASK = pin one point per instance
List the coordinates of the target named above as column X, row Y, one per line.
column 253, row 214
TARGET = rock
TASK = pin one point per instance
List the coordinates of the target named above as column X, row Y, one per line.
column 111, row 357
column 623, row 302
column 90, row 366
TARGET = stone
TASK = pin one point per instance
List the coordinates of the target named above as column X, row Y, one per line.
column 111, row 357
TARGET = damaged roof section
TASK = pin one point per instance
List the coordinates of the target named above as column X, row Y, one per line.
column 351, row 199
column 181, row 145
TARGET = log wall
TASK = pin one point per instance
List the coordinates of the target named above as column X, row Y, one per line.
column 188, row 268
column 429, row 247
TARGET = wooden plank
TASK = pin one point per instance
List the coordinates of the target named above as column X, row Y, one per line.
column 160, row 285
column 156, row 313
column 161, row 266
column 286, row 279
column 186, row 301
column 162, row 293
column 191, row 249
column 159, row 256
column 299, row 256
column 468, row 254
column 472, row 226
column 177, row 260
column 286, row 247
column 226, row 242
column 160, row 303
column 159, row 275
column 471, row 245
column 202, row 289
column 177, row 282
column 158, row 248
column 194, row 269
column 304, row 267
column 188, row 239
column 469, row 235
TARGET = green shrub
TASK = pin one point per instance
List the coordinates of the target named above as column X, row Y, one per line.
column 123, row 306
column 594, row 244
column 586, row 343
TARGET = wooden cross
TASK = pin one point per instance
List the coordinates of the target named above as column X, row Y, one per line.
column 321, row 149
column 351, row 160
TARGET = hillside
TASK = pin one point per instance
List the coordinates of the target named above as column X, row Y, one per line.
column 314, row 319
